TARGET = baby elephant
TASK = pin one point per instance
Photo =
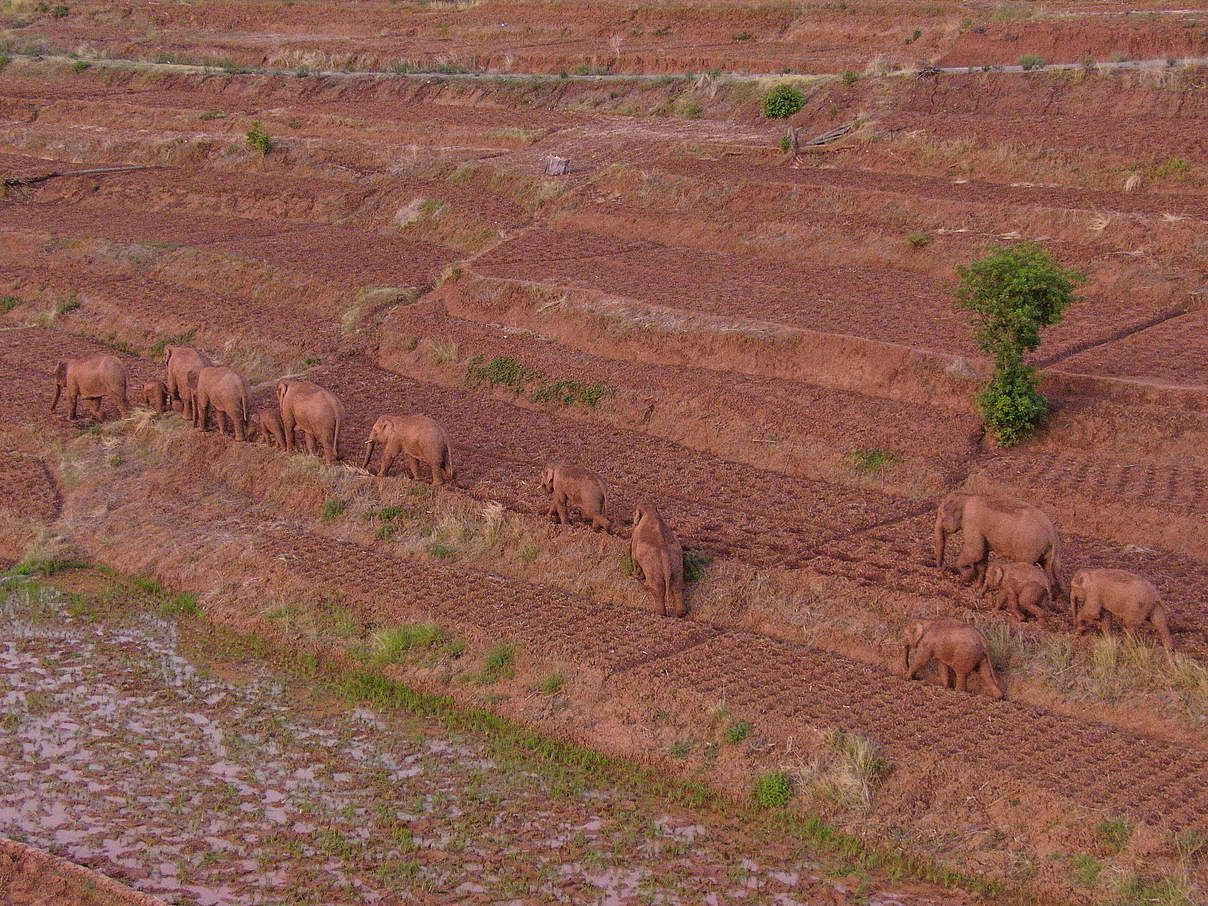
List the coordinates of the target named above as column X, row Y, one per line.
column 658, row 560
column 155, row 396
column 574, row 486
column 419, row 438
column 1096, row 595
column 265, row 427
column 1018, row 587
column 960, row 648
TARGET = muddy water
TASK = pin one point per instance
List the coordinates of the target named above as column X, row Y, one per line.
column 219, row 782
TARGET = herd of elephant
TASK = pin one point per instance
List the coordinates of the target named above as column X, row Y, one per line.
column 1025, row 576
column 195, row 386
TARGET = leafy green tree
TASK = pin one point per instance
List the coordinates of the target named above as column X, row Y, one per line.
column 1011, row 295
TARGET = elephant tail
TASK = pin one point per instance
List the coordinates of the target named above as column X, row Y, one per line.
column 1052, row 566
column 335, row 440
column 447, row 470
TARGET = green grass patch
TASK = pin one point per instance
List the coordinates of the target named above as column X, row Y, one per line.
column 498, row 665
column 390, row 645
column 180, row 605
column 8, row 303
column 772, row 790
column 552, row 684
column 919, row 240
column 71, row 303
column 80, row 65
column 872, row 461
column 694, row 565
column 1032, row 61
column 1112, row 833
column 332, row 508
column 506, row 371
column 1084, row 870
column 45, row 566
column 184, row 339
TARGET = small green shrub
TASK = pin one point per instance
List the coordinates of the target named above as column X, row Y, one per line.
column 60, row 11
column 388, row 513
column 332, row 508
column 258, row 138
column 785, row 143
column 552, row 684
column 80, row 65
column 5, row 59
column 850, row 78
column 389, row 645
column 8, row 303
column 681, row 748
column 737, row 731
column 71, row 303
column 742, row 36
column 919, row 239
column 157, row 348
column 442, row 551
column 1031, row 61
column 1173, row 166
column 1012, row 405
column 782, row 102
column 385, row 532
column 694, row 565
column 149, row 585
column 772, row 790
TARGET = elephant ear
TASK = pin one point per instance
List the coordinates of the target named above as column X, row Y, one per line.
column 61, row 374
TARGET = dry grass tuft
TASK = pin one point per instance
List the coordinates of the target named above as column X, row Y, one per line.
column 846, row 770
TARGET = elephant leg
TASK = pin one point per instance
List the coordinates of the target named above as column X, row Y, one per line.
column 1158, row 619
column 1030, row 602
column 437, row 478
column 638, row 572
column 412, row 466
column 922, row 657
column 962, row 681
column 1013, row 605
column 1105, row 623
column 329, row 450
column 386, row 463
column 311, row 446
column 237, row 421
column 947, row 677
column 96, row 402
column 599, row 522
column 560, row 502
column 75, row 402
column 986, row 671
column 287, row 431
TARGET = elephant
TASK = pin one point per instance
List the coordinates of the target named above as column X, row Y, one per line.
column 1096, row 595
column 265, row 427
column 575, row 486
column 1020, row 587
column 307, row 406
column 1011, row 528
column 155, row 396
column 960, row 649
column 658, row 560
column 227, row 391
column 180, row 362
column 93, row 377
column 419, row 438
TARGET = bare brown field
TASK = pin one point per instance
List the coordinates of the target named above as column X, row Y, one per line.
column 762, row 343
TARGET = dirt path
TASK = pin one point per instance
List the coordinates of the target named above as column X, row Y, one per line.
column 220, row 782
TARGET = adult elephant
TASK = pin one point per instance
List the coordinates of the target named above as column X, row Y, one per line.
column 658, row 560
column 313, row 410
column 181, row 362
column 1011, row 528
column 419, row 439
column 94, row 377
column 228, row 392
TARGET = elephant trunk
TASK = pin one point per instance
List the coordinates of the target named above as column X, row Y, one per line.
column 58, row 392
column 368, row 454
column 906, row 659
column 941, row 537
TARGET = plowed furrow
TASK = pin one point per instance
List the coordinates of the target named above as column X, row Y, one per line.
column 790, row 686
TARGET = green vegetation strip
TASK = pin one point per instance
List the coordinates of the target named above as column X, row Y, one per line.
column 573, row 767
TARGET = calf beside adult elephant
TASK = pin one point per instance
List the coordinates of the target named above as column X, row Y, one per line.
column 574, row 486
column 313, row 410
column 93, row 378
column 1010, row 528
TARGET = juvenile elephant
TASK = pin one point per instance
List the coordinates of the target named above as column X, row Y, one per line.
column 1018, row 587
column 227, row 391
column 180, row 362
column 155, row 396
column 658, row 560
column 1011, row 528
column 1096, row 595
column 960, row 649
column 265, row 427
column 94, row 378
column 574, row 486
column 309, row 408
column 419, row 438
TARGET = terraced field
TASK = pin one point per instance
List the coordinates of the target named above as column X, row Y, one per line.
column 763, row 343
